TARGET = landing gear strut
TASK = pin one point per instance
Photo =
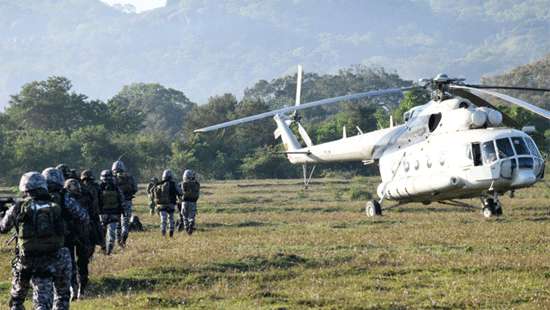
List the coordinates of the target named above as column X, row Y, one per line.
column 373, row 208
column 491, row 206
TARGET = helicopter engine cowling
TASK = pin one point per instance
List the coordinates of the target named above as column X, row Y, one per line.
column 414, row 186
column 478, row 118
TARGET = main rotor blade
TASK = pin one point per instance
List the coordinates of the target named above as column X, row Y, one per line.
column 369, row 94
column 524, row 104
column 507, row 87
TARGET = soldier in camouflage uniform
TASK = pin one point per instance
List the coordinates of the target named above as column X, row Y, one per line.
column 128, row 186
column 88, row 184
column 190, row 189
column 73, row 215
column 154, row 181
column 166, row 194
column 81, row 242
column 110, row 204
column 40, row 236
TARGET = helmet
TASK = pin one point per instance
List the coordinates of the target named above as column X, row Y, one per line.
column 32, row 181
column 106, row 175
column 188, row 175
column 166, row 175
column 73, row 186
column 87, row 175
column 64, row 169
column 118, row 166
column 72, row 174
column 53, row 177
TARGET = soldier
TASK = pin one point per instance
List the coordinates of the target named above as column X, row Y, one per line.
column 190, row 188
column 166, row 195
column 110, row 205
column 128, row 186
column 40, row 236
column 64, row 170
column 73, row 215
column 88, row 184
column 154, row 181
column 80, row 243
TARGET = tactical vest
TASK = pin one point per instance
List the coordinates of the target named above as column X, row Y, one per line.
column 125, row 182
column 41, row 229
column 162, row 193
column 191, row 190
column 111, row 204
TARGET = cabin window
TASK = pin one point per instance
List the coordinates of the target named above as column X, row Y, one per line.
column 504, row 148
column 525, row 162
column 463, row 105
column 476, row 154
column 532, row 147
column 519, row 146
column 434, row 121
column 488, row 152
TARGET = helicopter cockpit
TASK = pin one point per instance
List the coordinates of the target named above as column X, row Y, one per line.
column 517, row 157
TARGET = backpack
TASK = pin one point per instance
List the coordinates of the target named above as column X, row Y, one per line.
column 41, row 228
column 125, row 182
column 162, row 193
column 111, row 204
column 191, row 190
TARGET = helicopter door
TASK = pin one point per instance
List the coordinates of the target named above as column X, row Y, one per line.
column 482, row 157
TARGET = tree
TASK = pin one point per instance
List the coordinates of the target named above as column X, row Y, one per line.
column 162, row 110
column 50, row 105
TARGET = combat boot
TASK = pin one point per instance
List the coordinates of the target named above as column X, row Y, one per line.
column 171, row 233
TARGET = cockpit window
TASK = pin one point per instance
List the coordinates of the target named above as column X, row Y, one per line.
column 519, row 146
column 532, row 147
column 504, row 148
column 488, row 152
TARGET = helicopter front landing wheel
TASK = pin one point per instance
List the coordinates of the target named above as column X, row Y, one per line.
column 491, row 207
column 373, row 208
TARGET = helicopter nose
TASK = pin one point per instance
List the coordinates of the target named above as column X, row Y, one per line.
column 523, row 177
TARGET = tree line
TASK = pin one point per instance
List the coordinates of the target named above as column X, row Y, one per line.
column 151, row 126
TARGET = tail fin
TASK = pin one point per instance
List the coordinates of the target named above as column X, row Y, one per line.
column 283, row 130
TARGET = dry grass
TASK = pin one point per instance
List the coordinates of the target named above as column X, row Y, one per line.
column 268, row 244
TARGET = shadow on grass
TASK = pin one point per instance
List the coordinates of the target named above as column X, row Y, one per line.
column 237, row 210
column 154, row 279
column 208, row 226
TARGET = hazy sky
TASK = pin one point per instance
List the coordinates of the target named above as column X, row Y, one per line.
column 141, row 5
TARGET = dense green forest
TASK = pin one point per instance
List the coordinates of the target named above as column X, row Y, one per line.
column 151, row 126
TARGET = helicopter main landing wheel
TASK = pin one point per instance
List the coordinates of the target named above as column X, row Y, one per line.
column 491, row 207
column 373, row 208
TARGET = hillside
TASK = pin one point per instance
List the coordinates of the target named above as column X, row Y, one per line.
column 209, row 47
column 535, row 74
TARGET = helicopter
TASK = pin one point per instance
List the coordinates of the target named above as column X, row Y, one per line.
column 456, row 146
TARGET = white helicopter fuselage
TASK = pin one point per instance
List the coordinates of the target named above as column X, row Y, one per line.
column 447, row 149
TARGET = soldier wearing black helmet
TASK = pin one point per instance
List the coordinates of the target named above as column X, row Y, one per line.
column 88, row 184
column 110, row 205
column 40, row 253
column 81, row 242
column 128, row 186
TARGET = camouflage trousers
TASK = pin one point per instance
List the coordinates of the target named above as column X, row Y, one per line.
column 123, row 227
column 166, row 219
column 188, row 212
column 43, row 275
column 110, row 223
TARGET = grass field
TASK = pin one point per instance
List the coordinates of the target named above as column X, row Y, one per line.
column 269, row 245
